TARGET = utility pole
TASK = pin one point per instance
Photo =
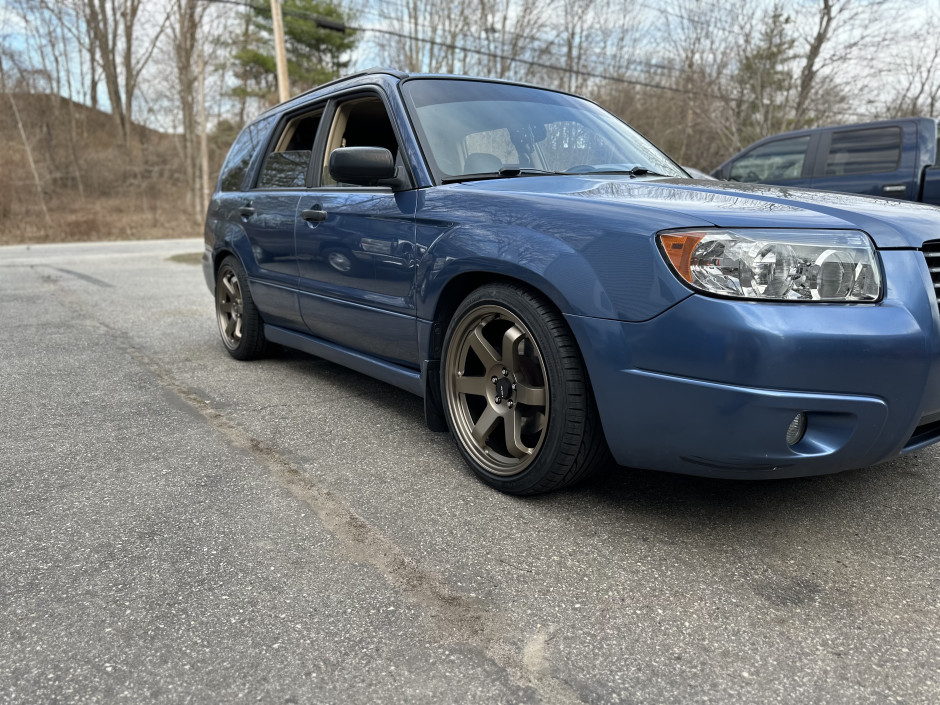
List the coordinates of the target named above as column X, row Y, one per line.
column 203, row 137
column 280, row 54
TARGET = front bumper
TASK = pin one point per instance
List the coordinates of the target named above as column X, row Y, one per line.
column 710, row 386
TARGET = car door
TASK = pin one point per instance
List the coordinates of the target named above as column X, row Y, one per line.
column 355, row 244
column 869, row 161
column 269, row 214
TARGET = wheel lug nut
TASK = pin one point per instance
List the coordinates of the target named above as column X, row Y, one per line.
column 505, row 372
column 509, row 403
column 499, row 400
column 514, row 385
column 493, row 380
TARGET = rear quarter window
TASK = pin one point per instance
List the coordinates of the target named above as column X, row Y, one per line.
column 248, row 142
column 864, row 151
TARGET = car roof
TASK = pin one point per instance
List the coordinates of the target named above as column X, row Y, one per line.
column 398, row 75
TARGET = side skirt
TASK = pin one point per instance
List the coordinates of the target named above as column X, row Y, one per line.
column 401, row 377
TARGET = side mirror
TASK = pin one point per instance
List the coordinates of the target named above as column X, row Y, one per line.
column 365, row 166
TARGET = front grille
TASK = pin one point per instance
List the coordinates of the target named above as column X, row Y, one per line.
column 931, row 252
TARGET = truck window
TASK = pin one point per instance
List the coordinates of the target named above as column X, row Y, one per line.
column 285, row 166
column 864, row 151
column 780, row 159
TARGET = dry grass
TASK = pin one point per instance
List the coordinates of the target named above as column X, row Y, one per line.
column 193, row 258
column 93, row 188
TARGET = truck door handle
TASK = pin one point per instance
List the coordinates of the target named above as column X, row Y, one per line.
column 313, row 215
column 246, row 211
column 894, row 188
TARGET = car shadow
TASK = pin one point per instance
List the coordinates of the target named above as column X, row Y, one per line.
column 910, row 481
column 862, row 501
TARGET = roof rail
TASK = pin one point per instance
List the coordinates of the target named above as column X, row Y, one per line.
column 365, row 72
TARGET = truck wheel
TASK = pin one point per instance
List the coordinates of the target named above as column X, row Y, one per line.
column 239, row 321
column 516, row 396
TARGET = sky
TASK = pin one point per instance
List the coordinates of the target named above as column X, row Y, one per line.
column 375, row 13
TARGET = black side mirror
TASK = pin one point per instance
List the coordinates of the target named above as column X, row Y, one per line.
column 365, row 166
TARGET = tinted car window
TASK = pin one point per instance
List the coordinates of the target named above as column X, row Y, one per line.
column 285, row 166
column 864, row 151
column 781, row 159
column 232, row 176
column 285, row 169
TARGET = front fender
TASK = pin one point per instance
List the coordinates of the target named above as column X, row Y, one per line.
column 603, row 267
column 451, row 256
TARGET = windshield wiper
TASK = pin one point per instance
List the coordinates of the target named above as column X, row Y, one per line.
column 507, row 172
column 635, row 171
column 526, row 171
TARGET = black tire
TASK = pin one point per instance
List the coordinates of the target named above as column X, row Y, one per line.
column 240, row 322
column 516, row 395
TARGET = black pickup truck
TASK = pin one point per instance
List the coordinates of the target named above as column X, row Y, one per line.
column 893, row 158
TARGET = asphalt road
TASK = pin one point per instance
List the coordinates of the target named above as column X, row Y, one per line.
column 176, row 526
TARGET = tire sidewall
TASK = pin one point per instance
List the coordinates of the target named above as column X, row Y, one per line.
column 252, row 341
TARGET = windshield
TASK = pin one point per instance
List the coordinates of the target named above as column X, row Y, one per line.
column 475, row 129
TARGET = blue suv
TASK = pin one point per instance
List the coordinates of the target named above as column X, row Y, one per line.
column 559, row 291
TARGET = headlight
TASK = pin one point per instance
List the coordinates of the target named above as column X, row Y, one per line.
column 776, row 265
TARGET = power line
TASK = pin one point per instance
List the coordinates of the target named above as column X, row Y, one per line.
column 332, row 24
column 475, row 51
column 546, row 43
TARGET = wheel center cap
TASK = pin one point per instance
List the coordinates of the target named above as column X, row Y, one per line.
column 503, row 388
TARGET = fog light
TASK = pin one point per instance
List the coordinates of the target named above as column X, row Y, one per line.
column 797, row 429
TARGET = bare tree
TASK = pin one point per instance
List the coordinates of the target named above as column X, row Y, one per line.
column 113, row 24
column 916, row 89
column 26, row 146
column 184, row 29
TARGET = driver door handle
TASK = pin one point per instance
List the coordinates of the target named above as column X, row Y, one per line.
column 313, row 215
column 246, row 211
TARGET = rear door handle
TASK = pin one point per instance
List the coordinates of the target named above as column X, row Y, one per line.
column 313, row 215
column 246, row 211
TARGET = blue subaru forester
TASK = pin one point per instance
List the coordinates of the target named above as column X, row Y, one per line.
column 559, row 291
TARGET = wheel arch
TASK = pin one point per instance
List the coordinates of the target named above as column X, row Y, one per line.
column 457, row 288
column 461, row 285
column 219, row 256
column 237, row 246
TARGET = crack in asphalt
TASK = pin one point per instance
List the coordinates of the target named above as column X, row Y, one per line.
column 455, row 617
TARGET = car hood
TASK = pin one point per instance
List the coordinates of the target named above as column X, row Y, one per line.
column 890, row 223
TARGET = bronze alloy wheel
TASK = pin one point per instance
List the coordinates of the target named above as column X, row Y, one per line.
column 239, row 320
column 230, row 305
column 497, row 390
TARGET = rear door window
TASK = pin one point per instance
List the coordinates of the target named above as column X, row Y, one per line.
column 871, row 151
column 775, row 161
column 286, row 165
